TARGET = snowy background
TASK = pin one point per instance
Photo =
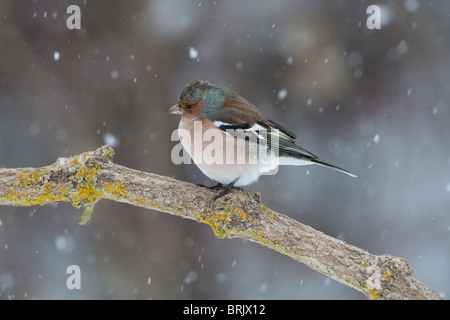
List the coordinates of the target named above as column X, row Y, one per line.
column 376, row 102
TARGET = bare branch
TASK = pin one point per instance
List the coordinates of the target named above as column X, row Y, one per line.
column 83, row 180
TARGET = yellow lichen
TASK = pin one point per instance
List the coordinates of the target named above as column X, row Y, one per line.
column 375, row 294
column 217, row 221
column 117, row 190
column 32, row 178
column 358, row 285
column 365, row 263
column 388, row 274
column 83, row 179
column 273, row 244
column 13, row 197
column 21, row 177
column 39, row 186
column 44, row 195
column 241, row 214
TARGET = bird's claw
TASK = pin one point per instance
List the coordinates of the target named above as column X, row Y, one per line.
column 218, row 186
column 224, row 190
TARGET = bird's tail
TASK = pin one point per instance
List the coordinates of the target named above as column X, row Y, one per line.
column 329, row 165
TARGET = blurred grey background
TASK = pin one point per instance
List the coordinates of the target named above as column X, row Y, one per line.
column 375, row 102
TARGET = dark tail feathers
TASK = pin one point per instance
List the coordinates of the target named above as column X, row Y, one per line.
column 329, row 165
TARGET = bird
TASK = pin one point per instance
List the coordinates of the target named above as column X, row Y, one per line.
column 231, row 141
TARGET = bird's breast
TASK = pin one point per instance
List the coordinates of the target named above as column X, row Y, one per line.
column 220, row 156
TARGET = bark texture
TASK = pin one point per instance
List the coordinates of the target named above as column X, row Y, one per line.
column 89, row 177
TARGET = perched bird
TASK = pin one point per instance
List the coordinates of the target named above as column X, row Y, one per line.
column 233, row 142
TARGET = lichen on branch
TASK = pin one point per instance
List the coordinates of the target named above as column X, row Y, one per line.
column 71, row 180
column 85, row 179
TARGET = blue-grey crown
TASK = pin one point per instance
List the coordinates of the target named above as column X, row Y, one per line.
column 212, row 95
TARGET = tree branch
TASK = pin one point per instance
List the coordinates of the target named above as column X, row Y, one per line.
column 83, row 180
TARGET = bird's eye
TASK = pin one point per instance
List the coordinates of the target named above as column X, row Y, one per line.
column 188, row 106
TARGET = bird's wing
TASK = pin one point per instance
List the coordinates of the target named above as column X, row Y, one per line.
column 241, row 117
column 284, row 140
column 235, row 122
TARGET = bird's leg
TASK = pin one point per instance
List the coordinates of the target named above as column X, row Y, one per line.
column 226, row 189
column 218, row 186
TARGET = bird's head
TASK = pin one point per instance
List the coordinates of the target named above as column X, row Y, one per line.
column 200, row 98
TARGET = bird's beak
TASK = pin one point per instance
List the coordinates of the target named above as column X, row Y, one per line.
column 175, row 110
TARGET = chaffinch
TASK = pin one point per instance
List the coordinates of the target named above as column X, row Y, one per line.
column 231, row 141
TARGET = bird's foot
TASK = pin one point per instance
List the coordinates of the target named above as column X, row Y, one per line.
column 218, row 186
column 224, row 190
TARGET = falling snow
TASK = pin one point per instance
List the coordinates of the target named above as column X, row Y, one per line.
column 114, row 74
column 376, row 138
column 374, row 102
column 282, row 94
column 190, row 277
column 111, row 140
column 193, row 53
column 221, row 277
